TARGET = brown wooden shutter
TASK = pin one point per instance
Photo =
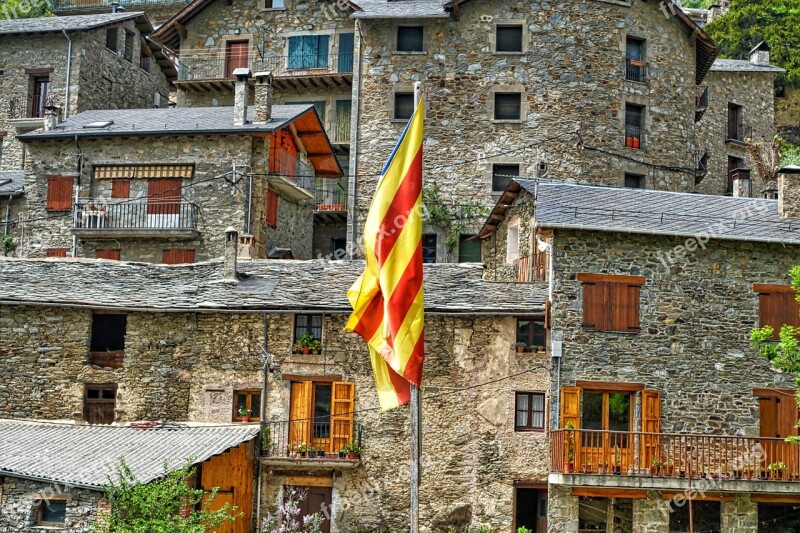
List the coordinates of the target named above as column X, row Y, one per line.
column 341, row 414
column 625, row 306
column 108, row 253
column 300, row 412
column 571, row 406
column 777, row 306
column 594, row 305
column 272, row 208
column 59, row 193
column 120, row 188
column 56, row 252
column 651, row 423
column 163, row 196
column 177, row 256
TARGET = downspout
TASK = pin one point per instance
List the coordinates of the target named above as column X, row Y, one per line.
column 8, row 214
column 352, row 181
column 77, row 194
column 265, row 375
column 69, row 73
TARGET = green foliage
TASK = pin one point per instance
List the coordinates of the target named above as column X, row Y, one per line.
column 777, row 22
column 697, row 4
column 455, row 219
column 790, row 153
column 305, row 340
column 8, row 245
column 155, row 507
column 523, row 529
column 288, row 519
column 24, row 9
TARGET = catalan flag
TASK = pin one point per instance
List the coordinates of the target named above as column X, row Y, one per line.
column 387, row 298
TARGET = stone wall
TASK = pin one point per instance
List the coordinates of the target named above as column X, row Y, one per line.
column 755, row 93
column 16, row 208
column 20, row 500
column 787, row 113
column 323, row 239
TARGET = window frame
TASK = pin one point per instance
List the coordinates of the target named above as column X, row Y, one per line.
column 503, row 93
column 45, row 502
column 273, row 7
column 633, row 175
column 641, row 76
column 495, row 174
column 464, row 238
column 530, row 428
column 506, row 25
column 788, row 305
column 634, row 139
column 405, row 95
column 58, row 204
column 88, row 402
column 309, row 328
column 435, row 238
column 422, row 40
column 128, row 49
column 115, row 32
column 249, row 394
column 531, row 334
column 513, row 229
column 611, row 287
column 322, row 54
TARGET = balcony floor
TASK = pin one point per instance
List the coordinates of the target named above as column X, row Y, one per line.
column 138, row 233
column 306, row 463
column 675, row 483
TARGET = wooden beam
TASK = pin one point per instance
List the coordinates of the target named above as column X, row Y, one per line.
column 774, row 393
column 706, row 497
column 610, row 278
column 609, row 385
column 762, row 288
column 775, row 498
column 601, row 492
column 323, row 379
column 308, row 481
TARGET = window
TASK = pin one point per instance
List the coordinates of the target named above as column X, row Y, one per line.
column 429, row 248
column 144, row 62
column 512, row 244
column 508, row 38
column 403, row 106
column 59, row 193
column 39, row 89
column 531, row 332
column 129, row 38
column 502, row 174
column 52, row 513
column 634, row 126
column 410, row 39
column 56, row 252
column 321, row 414
column 338, row 248
column 634, row 60
column 177, row 256
column 107, row 343
column 634, row 181
column 611, row 303
column 734, row 164
column 777, row 307
column 108, row 253
column 120, row 188
column 308, row 324
column 272, row 209
column 99, row 402
column 469, row 251
column 507, row 106
column 236, row 56
column 529, row 411
column 249, row 399
column 111, row 39
column 735, row 127
column 274, row 4
column 308, row 51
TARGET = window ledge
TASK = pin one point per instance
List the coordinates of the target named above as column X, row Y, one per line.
column 518, row 53
column 638, row 82
column 507, row 121
column 529, row 430
column 410, row 53
column 273, row 9
column 399, row 120
column 611, row 331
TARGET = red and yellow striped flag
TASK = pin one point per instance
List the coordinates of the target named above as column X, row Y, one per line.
column 387, row 298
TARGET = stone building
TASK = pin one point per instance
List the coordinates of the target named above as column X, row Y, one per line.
column 736, row 105
column 75, row 63
column 191, row 347
column 653, row 296
column 12, row 187
column 154, row 184
column 158, row 11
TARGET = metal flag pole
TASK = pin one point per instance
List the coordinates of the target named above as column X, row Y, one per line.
column 415, row 411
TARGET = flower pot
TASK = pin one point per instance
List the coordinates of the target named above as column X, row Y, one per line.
column 352, row 455
column 653, row 470
column 342, row 455
column 617, row 470
column 303, row 454
column 569, row 468
column 292, row 454
column 520, row 349
column 306, row 350
column 245, row 419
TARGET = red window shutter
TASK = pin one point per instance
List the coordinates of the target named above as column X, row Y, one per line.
column 59, row 193
column 56, row 252
column 163, row 196
column 272, row 208
column 120, row 188
column 108, row 253
column 177, row 256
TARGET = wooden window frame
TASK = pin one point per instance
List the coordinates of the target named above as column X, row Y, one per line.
column 249, row 393
column 610, row 320
column 88, row 402
column 40, row 511
column 530, row 428
column 606, row 409
column 532, row 320
column 308, row 328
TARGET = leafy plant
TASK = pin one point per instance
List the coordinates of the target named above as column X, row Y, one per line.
column 569, row 426
column 8, row 245
column 266, row 439
column 777, row 466
column 454, row 219
column 305, row 340
column 244, row 411
column 165, row 505
column 523, row 529
column 288, row 517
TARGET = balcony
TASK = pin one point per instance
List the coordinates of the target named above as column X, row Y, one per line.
column 701, row 169
column 330, row 201
column 339, row 130
column 283, row 443
column 63, row 7
column 635, row 70
column 738, row 134
column 101, row 219
column 301, row 72
column 27, row 113
column 291, row 175
column 700, row 101
column 669, row 460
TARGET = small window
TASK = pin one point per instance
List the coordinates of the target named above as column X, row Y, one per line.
column 274, row 4
column 734, row 164
column 634, row 126
column 129, row 38
column 113, row 254
column 308, row 324
column 634, row 181
column 509, row 38
column 120, row 188
column 52, row 513
column 735, row 127
column 531, row 333
column 403, row 106
column 469, row 251
column 410, row 39
column 144, row 63
column 429, row 248
column 244, row 401
column 529, row 411
column 177, row 256
column 611, row 303
column 634, row 60
column 99, row 402
column 56, row 252
column 507, row 106
column 111, row 39
column 108, row 332
column 502, row 174
column 59, row 193
column 512, row 244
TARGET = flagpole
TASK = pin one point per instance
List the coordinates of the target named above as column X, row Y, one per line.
column 415, row 411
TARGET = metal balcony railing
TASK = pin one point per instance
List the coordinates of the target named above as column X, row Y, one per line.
column 310, row 438
column 339, row 130
column 31, row 107
column 75, row 5
column 220, row 67
column 635, row 70
column 100, row 214
column 331, row 197
column 701, row 97
column 673, row 455
column 634, row 137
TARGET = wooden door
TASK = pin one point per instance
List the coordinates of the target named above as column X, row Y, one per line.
column 318, row 500
column 778, row 417
column 236, row 56
column 223, row 497
column 651, row 427
column 163, row 196
column 300, row 413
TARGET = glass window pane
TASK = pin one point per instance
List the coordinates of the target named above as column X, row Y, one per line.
column 109, row 394
column 538, row 420
column 522, row 402
column 522, row 419
column 592, row 410
column 501, row 176
column 93, row 394
column 255, row 405
column 54, row 511
column 507, row 106
column 429, row 248
column 523, row 331
column 409, row 39
column 509, row 38
column 403, row 105
column 241, row 402
column 537, row 402
column 316, row 326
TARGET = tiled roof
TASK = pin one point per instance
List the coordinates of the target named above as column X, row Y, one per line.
column 741, row 65
column 403, row 9
column 267, row 284
column 11, row 182
column 85, row 456
column 591, row 207
column 59, row 24
column 166, row 121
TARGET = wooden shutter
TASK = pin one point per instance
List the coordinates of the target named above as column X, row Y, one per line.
column 120, row 188
column 300, row 412
column 651, row 423
column 272, row 208
column 611, row 302
column 594, row 306
column 571, row 406
column 341, row 414
column 56, row 252
column 777, row 306
column 108, row 253
column 236, row 53
column 177, row 256
column 163, row 196
column 624, row 303
column 59, row 193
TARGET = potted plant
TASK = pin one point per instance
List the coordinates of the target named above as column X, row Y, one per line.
column 293, row 450
column 656, row 466
column 343, row 451
column 617, row 461
column 316, row 347
column 354, row 451
column 305, row 341
column 244, row 413
column 303, row 449
column 540, row 348
column 520, row 346
column 776, row 470
column 266, row 442
column 569, row 468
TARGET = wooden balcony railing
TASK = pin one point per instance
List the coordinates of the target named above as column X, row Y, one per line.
column 674, row 455
column 295, row 439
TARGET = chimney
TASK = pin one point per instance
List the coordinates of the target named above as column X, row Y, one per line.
column 741, row 183
column 789, row 192
column 51, row 113
column 770, row 190
column 246, row 250
column 760, row 55
column 231, row 252
column 241, row 95
column 263, row 98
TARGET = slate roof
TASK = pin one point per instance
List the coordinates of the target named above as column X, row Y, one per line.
column 11, row 182
column 615, row 209
column 166, row 121
column 741, row 65
column 265, row 285
column 69, row 23
column 84, row 456
column 405, row 9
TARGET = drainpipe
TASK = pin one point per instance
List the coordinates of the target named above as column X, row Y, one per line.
column 8, row 213
column 353, row 170
column 265, row 367
column 77, row 194
column 69, row 73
